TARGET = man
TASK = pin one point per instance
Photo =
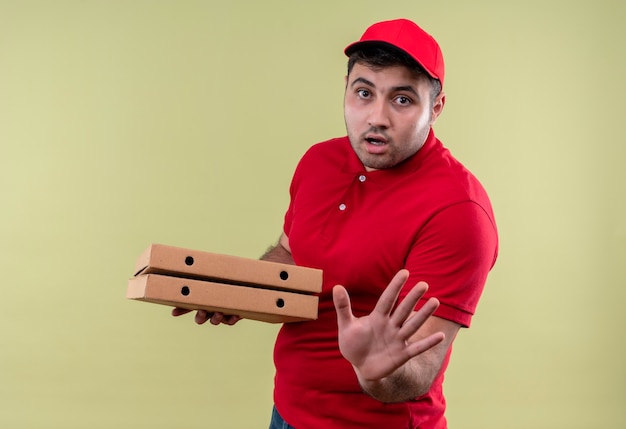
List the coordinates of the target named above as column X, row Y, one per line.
column 405, row 236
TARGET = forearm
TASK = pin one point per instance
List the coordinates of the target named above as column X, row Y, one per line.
column 411, row 380
column 278, row 253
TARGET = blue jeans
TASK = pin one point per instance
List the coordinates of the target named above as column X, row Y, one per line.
column 278, row 422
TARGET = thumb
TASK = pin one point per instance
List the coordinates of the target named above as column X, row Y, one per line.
column 341, row 299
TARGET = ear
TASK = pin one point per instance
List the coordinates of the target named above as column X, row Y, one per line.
column 438, row 104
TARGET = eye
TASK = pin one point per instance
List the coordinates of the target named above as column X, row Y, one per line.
column 403, row 100
column 363, row 93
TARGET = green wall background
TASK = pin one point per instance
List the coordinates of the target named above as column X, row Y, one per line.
column 124, row 123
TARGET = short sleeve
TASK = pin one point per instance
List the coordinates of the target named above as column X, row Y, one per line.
column 454, row 253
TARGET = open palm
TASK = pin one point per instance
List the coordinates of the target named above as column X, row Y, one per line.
column 378, row 344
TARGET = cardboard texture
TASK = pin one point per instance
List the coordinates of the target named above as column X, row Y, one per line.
column 249, row 288
column 176, row 261
column 265, row 305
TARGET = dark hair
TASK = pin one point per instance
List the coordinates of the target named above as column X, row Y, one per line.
column 381, row 56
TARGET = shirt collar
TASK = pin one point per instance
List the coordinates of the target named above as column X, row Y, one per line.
column 387, row 176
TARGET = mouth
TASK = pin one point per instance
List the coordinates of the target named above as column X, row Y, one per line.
column 375, row 144
column 376, row 140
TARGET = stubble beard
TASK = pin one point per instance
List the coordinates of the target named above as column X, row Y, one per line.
column 395, row 155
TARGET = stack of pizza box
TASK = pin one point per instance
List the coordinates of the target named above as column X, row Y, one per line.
column 250, row 288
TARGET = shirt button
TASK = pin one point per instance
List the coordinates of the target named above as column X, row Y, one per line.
column 342, row 207
column 362, row 178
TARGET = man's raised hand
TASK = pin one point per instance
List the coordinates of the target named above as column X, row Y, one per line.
column 378, row 344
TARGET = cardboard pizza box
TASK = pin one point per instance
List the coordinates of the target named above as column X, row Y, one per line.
column 267, row 305
column 215, row 267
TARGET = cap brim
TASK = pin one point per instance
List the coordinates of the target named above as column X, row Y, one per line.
column 350, row 49
column 370, row 43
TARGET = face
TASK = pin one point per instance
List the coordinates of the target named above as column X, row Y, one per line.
column 388, row 114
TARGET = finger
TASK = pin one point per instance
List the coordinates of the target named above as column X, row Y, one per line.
column 202, row 316
column 419, row 347
column 231, row 320
column 389, row 296
column 217, row 318
column 418, row 318
column 407, row 306
column 177, row 311
column 341, row 299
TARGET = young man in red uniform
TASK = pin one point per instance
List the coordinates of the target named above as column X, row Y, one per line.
column 405, row 236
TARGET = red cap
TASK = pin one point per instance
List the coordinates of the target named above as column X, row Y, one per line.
column 408, row 37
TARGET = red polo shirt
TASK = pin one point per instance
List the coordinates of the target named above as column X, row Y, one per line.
column 429, row 215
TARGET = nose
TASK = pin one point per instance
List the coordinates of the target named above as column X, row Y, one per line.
column 379, row 114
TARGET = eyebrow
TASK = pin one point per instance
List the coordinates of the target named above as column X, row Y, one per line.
column 407, row 88
column 362, row 80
